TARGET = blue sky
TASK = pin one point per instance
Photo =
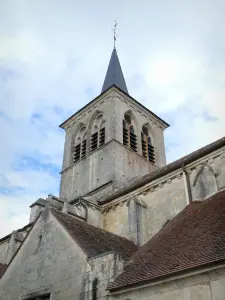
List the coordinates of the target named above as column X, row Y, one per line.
column 53, row 59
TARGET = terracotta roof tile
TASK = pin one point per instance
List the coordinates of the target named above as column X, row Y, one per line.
column 194, row 238
column 93, row 240
column 3, row 267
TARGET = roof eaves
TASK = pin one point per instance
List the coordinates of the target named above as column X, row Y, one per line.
column 169, row 276
column 180, row 163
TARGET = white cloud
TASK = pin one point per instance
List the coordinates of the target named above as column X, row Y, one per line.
column 22, row 47
column 14, row 213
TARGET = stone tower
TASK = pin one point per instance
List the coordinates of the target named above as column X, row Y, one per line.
column 110, row 141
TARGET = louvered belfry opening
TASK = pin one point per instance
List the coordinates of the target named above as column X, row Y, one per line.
column 133, row 139
column 94, row 141
column 83, row 149
column 77, row 153
column 125, row 134
column 151, row 151
column 98, row 132
column 129, row 136
column 147, row 147
column 144, row 146
column 102, row 137
column 80, row 148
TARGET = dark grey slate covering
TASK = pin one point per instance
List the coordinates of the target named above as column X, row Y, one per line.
column 114, row 75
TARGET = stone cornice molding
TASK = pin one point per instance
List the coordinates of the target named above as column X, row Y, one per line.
column 114, row 93
column 93, row 105
column 138, row 108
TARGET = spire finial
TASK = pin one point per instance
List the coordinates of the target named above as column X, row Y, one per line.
column 114, row 34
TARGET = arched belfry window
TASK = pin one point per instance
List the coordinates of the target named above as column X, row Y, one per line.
column 147, row 146
column 129, row 134
column 80, row 146
column 98, row 132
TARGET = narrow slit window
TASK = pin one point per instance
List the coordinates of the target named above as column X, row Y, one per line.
column 94, row 289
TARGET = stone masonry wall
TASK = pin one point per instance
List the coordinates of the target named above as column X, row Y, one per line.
column 103, row 268
column 111, row 162
column 162, row 205
column 49, row 260
column 141, row 116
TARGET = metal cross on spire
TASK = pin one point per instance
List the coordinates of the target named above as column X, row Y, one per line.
column 114, row 32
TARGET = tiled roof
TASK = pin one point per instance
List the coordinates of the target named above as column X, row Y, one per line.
column 183, row 161
column 93, row 240
column 2, row 269
column 194, row 238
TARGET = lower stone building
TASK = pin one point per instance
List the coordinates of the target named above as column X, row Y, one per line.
column 126, row 225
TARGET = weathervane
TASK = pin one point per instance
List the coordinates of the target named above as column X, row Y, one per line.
column 115, row 35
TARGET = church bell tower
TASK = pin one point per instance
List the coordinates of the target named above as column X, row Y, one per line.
column 111, row 141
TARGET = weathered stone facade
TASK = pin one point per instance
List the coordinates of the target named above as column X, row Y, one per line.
column 111, row 165
column 49, row 261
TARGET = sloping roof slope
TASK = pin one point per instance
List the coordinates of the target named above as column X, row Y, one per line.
column 3, row 267
column 93, row 240
column 171, row 167
column 194, row 238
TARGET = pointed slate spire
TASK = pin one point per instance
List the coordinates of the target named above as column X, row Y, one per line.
column 114, row 75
